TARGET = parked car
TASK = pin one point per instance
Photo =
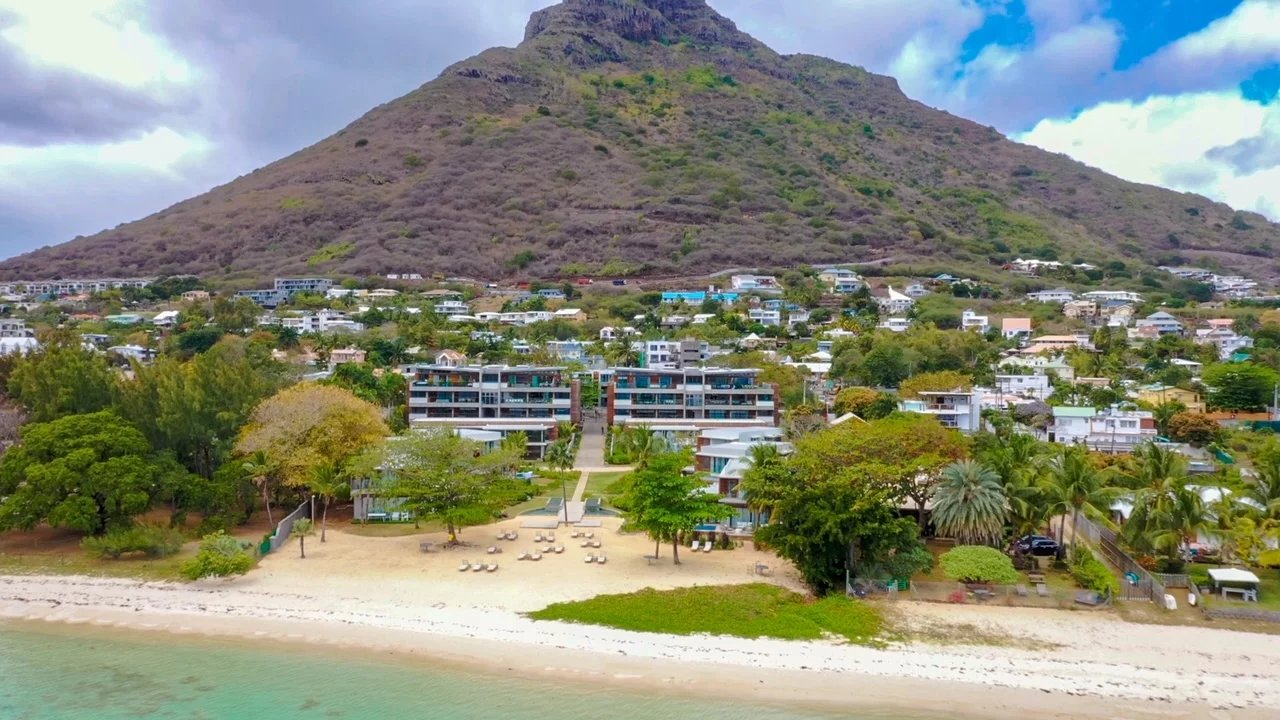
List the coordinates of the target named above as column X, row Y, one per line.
column 619, row 283
column 525, row 475
column 1037, row 545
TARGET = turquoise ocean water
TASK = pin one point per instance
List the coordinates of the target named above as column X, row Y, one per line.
column 67, row 673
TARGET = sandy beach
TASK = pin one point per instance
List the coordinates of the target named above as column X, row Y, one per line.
column 384, row 595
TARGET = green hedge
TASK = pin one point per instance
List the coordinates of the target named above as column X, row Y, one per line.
column 1092, row 574
column 153, row 541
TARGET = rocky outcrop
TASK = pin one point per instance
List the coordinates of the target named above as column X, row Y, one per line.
column 639, row 21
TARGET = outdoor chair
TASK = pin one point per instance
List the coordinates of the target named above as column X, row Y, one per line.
column 465, row 566
column 1042, row 590
column 590, row 558
column 602, row 559
column 1021, row 590
column 706, row 548
column 491, row 567
column 696, row 546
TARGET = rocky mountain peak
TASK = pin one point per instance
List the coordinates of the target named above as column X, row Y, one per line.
column 639, row 21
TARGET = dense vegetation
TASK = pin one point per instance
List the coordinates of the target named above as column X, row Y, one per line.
column 653, row 137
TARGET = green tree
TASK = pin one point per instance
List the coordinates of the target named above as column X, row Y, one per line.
column 1074, row 484
column 885, row 365
column 61, row 379
column 1240, row 387
column 263, row 472
column 91, row 473
column 560, row 455
column 1194, row 428
column 665, row 503
column 1017, row 459
column 220, row 555
column 941, row 381
column 970, row 505
column 1164, row 414
column 235, row 314
column 301, row 529
column 440, row 476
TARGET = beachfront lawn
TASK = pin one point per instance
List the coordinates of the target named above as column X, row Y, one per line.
column 387, row 529
column 604, row 485
column 750, row 611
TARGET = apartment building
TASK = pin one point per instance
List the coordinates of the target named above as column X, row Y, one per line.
column 1110, row 431
column 723, row 457
column 970, row 320
column 324, row 321
column 1031, row 386
column 957, row 409
column 691, row 397
column 285, row 288
column 495, row 398
column 1057, row 296
column 37, row 288
column 13, row 328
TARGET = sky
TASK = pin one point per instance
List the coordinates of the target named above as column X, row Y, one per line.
column 113, row 109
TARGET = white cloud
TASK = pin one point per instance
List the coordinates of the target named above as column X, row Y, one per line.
column 100, row 38
column 1175, row 141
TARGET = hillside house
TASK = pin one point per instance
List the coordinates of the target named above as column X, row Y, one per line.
column 958, row 409
column 1110, row 431
column 841, row 281
column 970, row 320
column 1015, row 328
column 1057, row 296
column 1161, row 394
column 893, row 302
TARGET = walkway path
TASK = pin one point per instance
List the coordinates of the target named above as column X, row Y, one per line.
column 591, row 456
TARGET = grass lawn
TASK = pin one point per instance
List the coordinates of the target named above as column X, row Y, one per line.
column 750, row 611
column 598, row 485
column 386, row 529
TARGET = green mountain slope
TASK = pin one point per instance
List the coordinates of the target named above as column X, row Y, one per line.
column 652, row 137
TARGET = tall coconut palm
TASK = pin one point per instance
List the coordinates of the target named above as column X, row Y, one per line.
column 1167, row 512
column 1264, row 488
column 1017, row 459
column 970, row 505
column 259, row 468
column 1074, row 484
column 560, row 455
column 326, row 480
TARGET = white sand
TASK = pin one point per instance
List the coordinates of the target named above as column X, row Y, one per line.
column 384, row 594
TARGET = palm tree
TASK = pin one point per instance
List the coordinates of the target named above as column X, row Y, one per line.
column 560, row 455
column 1074, row 484
column 261, row 470
column 302, row 528
column 969, row 504
column 327, row 480
column 1265, row 487
column 1017, row 459
column 1164, row 412
column 1167, row 513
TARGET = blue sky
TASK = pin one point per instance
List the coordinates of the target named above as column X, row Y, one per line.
column 113, row 109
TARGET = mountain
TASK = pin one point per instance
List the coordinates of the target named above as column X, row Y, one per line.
column 652, row 137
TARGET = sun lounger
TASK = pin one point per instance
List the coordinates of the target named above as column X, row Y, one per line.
column 548, row 549
column 706, row 548
column 493, row 549
column 602, row 559
column 491, row 567
column 575, row 534
column 696, row 546
column 591, row 534
column 537, row 538
column 595, row 543
column 523, row 556
column 465, row 566
column 1042, row 590
column 477, row 567
column 586, row 543
column 1021, row 590
column 1088, row 597
column 536, row 556
column 590, row 558
column 559, row 549
column 502, row 535
column 426, row 546
column 513, row 535
column 551, row 537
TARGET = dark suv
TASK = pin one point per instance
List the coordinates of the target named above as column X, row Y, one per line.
column 1037, row 545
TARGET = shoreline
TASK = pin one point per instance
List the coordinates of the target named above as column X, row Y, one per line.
column 911, row 679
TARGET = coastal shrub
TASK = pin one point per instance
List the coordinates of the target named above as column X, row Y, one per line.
column 978, row 564
column 1091, row 573
column 751, row 611
column 153, row 541
column 220, row 555
column 1269, row 559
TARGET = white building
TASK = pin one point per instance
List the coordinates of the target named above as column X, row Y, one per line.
column 1225, row 339
column 1015, row 328
column 969, row 320
column 840, row 280
column 1162, row 322
column 1041, row 365
column 755, row 283
column 1057, row 296
column 1029, row 386
column 895, row 303
column 321, row 322
column 1111, row 431
column 768, row 318
column 452, row 307
column 1113, row 296
column 895, row 324
column 166, row 319
column 958, row 409
column 14, row 328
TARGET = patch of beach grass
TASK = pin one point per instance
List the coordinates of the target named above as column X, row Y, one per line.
column 750, row 611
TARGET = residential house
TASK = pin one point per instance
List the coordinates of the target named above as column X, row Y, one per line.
column 755, row 283
column 17, row 345
column 496, row 398
column 195, row 295
column 1056, row 344
column 451, row 307
column 1227, row 340
column 551, row 293
column 124, row 319
column 958, row 409
column 916, row 291
column 1038, row 387
column 1104, row 297
column 1119, row 316
column 1161, row 394
column 691, row 397
column 450, row 359
column 1080, row 309
column 166, row 319
column 1162, row 322
column 1041, row 365
column 671, row 297
column 723, row 457
column 970, row 320
column 894, row 302
column 701, row 318
column 609, row 333
column 840, row 280
column 368, row 500
column 14, row 328
column 342, row 356
column 1191, row 366
column 768, row 318
column 133, row 352
column 325, row 321
column 672, row 322
column 895, row 324
column 1111, row 431
column 1057, row 296
column 573, row 315
column 1015, row 328
column 795, row 317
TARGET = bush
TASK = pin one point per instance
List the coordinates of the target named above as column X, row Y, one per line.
column 1171, row 566
column 978, row 564
column 153, row 541
column 220, row 556
column 1269, row 559
column 1091, row 573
